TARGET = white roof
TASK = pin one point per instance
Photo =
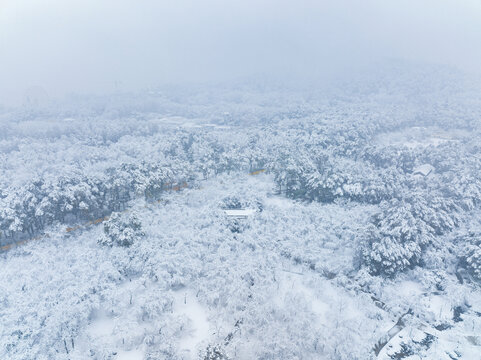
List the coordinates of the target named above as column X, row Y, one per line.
column 424, row 170
column 239, row 212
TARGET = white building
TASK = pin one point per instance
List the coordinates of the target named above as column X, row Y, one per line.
column 423, row 170
column 239, row 213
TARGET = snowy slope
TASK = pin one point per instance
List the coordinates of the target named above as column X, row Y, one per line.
column 192, row 282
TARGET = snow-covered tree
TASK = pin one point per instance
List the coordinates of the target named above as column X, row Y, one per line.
column 121, row 230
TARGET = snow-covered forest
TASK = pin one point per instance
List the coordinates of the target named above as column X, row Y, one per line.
column 363, row 240
column 223, row 180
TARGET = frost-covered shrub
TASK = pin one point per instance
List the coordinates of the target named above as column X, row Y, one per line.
column 395, row 239
column 439, row 213
column 472, row 260
column 238, row 202
column 387, row 255
column 237, row 225
column 232, row 202
column 121, row 230
column 215, row 353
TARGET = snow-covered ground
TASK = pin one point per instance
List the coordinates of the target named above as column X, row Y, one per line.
column 191, row 282
column 357, row 235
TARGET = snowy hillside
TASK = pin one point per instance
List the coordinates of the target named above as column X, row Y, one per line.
column 240, row 180
column 246, row 228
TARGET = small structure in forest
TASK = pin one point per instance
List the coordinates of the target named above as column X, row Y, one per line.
column 423, row 170
column 239, row 213
column 236, row 218
column 237, row 209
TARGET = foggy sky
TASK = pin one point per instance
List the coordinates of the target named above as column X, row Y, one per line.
column 106, row 45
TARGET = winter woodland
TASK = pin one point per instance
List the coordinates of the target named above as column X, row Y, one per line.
column 362, row 237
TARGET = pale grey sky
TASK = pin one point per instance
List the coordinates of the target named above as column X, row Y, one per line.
column 96, row 45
